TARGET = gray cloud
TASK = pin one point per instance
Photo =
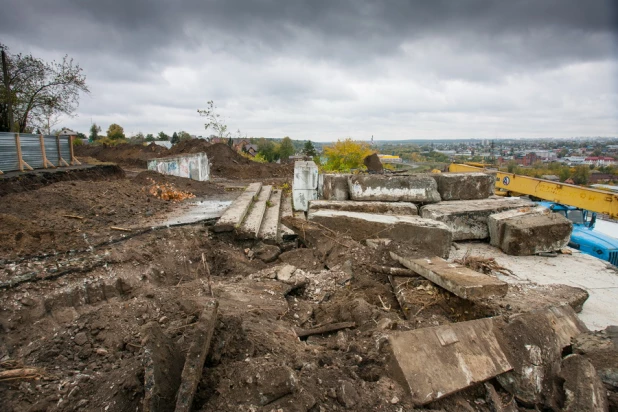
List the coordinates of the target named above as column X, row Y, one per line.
column 325, row 69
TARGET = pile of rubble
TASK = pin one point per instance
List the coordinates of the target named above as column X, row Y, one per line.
column 357, row 304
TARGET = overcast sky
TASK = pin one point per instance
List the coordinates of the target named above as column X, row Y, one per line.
column 328, row 69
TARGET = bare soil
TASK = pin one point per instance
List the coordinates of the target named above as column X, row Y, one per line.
column 225, row 162
column 75, row 296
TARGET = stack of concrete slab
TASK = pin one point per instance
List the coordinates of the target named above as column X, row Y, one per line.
column 468, row 218
column 256, row 214
column 529, row 230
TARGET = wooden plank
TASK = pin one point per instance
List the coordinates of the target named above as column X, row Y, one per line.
column 45, row 160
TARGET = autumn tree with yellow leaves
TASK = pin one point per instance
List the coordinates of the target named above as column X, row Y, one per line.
column 346, row 155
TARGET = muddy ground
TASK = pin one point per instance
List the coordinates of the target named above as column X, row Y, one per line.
column 77, row 298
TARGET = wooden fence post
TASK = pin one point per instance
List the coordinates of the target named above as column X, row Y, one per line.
column 45, row 161
column 60, row 159
column 73, row 158
column 20, row 160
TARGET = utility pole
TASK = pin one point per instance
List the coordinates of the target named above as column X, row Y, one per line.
column 7, row 88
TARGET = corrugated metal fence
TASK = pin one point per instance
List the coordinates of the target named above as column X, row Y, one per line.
column 21, row 151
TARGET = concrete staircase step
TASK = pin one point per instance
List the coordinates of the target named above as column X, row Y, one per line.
column 286, row 234
column 235, row 214
column 250, row 227
column 269, row 232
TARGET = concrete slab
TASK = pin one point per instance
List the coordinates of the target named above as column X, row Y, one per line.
column 235, row 214
column 533, row 343
column 192, row 371
column 285, row 233
column 468, row 218
column 162, row 369
column 335, row 187
column 420, row 188
column 302, row 197
column 455, row 278
column 596, row 276
column 430, row 236
column 434, row 362
column 495, row 222
column 465, row 186
column 250, row 227
column 532, row 234
column 384, row 208
column 269, row 232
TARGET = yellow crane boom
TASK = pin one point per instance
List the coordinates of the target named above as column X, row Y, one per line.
column 583, row 197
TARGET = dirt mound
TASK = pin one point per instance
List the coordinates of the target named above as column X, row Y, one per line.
column 224, row 161
column 189, row 146
column 181, row 183
column 124, row 154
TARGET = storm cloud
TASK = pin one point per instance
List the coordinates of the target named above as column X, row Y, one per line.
column 323, row 70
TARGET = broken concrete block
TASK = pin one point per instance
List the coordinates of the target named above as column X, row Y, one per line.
column 235, row 214
column 495, row 222
column 434, row 362
column 192, row 371
column 429, row 235
column 335, row 187
column 455, row 278
column 583, row 389
column 162, row 369
column 421, row 188
column 601, row 348
column 266, row 253
column 383, row 208
column 495, row 401
column 465, row 186
column 530, row 234
column 250, row 227
column 269, row 232
column 468, row 218
column 533, row 343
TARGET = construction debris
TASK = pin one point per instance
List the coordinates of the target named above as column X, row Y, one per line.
column 529, row 231
column 465, row 186
column 383, row 208
column 459, row 280
column 434, row 362
column 196, row 356
column 271, row 311
column 468, row 218
column 433, row 237
column 420, row 188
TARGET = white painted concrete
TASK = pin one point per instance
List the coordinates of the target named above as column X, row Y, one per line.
column 194, row 166
column 580, row 270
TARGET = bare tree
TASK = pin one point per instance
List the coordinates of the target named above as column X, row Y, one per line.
column 33, row 89
column 215, row 122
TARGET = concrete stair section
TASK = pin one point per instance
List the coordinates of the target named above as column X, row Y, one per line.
column 233, row 217
column 250, row 228
column 269, row 232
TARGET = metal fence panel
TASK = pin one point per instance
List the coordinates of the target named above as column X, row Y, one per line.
column 31, row 150
column 8, row 152
column 65, row 149
column 51, row 149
